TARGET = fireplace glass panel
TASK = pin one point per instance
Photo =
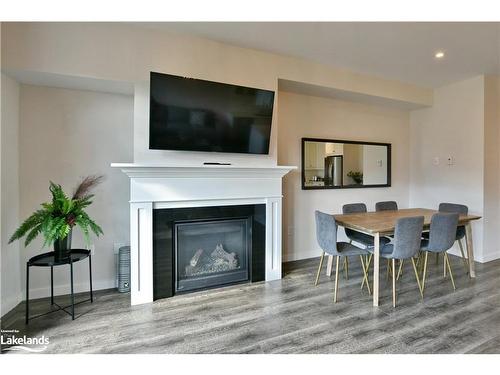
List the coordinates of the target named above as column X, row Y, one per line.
column 210, row 253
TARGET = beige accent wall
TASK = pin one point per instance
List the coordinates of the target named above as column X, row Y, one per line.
column 126, row 53
column 64, row 136
column 309, row 116
column 10, row 253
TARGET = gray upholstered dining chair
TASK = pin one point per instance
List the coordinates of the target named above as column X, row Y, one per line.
column 461, row 210
column 389, row 206
column 386, row 206
column 326, row 235
column 361, row 238
column 407, row 237
column 442, row 236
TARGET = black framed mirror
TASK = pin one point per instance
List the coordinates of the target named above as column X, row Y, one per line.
column 340, row 164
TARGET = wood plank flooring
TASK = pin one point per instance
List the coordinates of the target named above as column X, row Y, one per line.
column 287, row 316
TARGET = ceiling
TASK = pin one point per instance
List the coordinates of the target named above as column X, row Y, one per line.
column 398, row 51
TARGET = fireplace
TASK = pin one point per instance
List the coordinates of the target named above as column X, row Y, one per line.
column 205, row 247
column 211, row 253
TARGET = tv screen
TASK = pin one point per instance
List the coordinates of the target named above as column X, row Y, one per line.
column 195, row 115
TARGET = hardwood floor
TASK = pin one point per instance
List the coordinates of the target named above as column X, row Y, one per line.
column 287, row 316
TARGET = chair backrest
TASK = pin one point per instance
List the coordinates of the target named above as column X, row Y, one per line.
column 386, row 206
column 352, row 208
column 326, row 232
column 454, row 208
column 459, row 209
column 443, row 231
column 407, row 236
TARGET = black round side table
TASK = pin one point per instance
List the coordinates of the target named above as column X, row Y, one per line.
column 48, row 260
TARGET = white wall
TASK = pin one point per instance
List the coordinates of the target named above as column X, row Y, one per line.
column 10, row 266
column 309, row 116
column 453, row 126
column 65, row 135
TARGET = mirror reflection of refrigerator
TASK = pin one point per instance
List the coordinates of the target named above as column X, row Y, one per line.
column 333, row 170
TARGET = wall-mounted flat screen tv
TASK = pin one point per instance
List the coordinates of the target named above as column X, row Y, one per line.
column 196, row 115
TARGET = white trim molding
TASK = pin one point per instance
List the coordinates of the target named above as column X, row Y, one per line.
column 154, row 187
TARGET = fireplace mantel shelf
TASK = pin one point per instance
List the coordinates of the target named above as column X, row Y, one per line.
column 134, row 170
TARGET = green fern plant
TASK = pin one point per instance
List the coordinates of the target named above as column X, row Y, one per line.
column 56, row 219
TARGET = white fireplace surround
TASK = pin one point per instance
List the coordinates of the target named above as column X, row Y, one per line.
column 153, row 186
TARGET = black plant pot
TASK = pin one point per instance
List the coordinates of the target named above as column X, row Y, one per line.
column 62, row 248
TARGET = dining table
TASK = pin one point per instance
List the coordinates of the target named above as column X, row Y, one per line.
column 383, row 223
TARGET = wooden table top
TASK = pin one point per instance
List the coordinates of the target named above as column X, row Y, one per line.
column 385, row 221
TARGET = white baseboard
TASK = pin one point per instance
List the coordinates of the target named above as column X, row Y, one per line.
column 478, row 257
column 302, row 255
column 488, row 257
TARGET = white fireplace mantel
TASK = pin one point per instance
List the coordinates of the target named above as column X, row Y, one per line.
column 211, row 171
column 157, row 186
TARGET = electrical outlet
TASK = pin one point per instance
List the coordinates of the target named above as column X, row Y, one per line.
column 435, row 161
column 290, row 231
column 116, row 247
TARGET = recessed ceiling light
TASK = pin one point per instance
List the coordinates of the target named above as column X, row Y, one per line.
column 439, row 55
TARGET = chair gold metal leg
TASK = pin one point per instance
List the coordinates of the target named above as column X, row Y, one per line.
column 465, row 260
column 424, row 272
column 449, row 270
column 418, row 279
column 368, row 263
column 336, row 280
column 400, row 271
column 420, row 262
column 394, row 283
column 319, row 268
column 444, row 266
column 365, row 274
column 344, row 263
